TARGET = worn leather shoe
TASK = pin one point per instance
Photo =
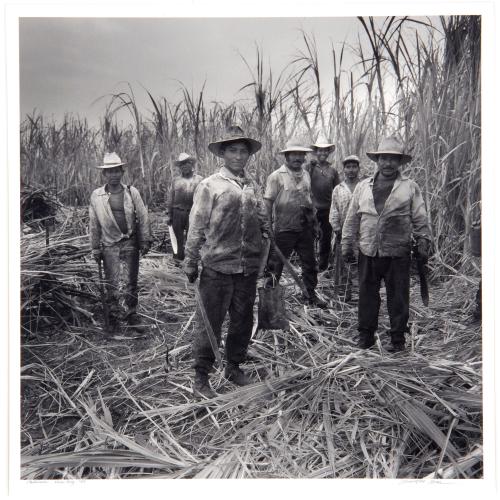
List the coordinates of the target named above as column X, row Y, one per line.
column 396, row 348
column 201, row 386
column 235, row 374
column 134, row 321
column 364, row 343
column 314, row 300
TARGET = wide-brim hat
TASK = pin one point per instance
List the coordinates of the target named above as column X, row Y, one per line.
column 390, row 146
column 234, row 134
column 295, row 145
column 183, row 158
column 323, row 143
column 111, row 160
column 351, row 158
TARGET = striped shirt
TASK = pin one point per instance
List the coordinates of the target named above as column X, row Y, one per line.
column 340, row 203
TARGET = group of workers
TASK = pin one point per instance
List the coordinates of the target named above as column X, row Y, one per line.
column 233, row 227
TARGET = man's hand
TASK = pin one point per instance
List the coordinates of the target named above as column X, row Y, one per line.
column 348, row 256
column 97, row 254
column 423, row 249
column 192, row 274
column 169, row 220
column 338, row 236
column 145, row 247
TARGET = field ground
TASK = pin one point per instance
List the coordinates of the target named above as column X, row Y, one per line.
column 98, row 407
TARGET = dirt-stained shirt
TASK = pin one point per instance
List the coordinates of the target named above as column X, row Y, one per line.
column 324, row 178
column 181, row 191
column 290, row 193
column 340, row 203
column 226, row 224
column 103, row 228
column 389, row 233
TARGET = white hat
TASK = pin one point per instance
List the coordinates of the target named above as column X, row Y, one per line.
column 111, row 160
column 183, row 157
column 323, row 142
column 295, row 145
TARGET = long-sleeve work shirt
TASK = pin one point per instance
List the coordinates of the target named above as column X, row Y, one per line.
column 340, row 203
column 389, row 233
column 226, row 224
column 103, row 228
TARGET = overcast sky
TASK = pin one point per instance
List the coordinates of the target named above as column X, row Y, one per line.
column 68, row 63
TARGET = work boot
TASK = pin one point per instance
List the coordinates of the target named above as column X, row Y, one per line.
column 134, row 321
column 114, row 325
column 366, row 341
column 201, row 386
column 235, row 374
column 396, row 347
column 314, row 300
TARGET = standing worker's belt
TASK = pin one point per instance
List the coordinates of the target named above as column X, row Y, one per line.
column 184, row 209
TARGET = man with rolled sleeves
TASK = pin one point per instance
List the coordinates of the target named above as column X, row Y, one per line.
column 385, row 212
column 289, row 203
column 227, row 228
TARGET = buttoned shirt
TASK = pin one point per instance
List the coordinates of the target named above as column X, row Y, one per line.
column 226, row 224
column 389, row 233
column 181, row 191
column 103, row 228
column 290, row 193
column 341, row 197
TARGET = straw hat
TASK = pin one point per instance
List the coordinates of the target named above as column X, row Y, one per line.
column 183, row 157
column 352, row 158
column 391, row 146
column 295, row 145
column 234, row 134
column 322, row 143
column 111, row 160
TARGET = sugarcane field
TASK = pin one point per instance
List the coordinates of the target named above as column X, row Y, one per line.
column 273, row 273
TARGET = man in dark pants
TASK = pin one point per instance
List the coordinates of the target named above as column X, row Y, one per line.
column 227, row 228
column 324, row 178
column 180, row 200
column 386, row 210
column 289, row 203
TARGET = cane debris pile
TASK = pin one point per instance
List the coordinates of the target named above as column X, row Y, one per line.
column 101, row 407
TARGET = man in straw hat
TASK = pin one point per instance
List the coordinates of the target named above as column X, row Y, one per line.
column 289, row 204
column 341, row 198
column 180, row 200
column 227, row 227
column 386, row 210
column 119, row 230
column 324, row 178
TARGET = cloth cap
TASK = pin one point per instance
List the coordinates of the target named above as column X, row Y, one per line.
column 295, row 145
column 392, row 146
column 352, row 158
column 234, row 134
column 111, row 160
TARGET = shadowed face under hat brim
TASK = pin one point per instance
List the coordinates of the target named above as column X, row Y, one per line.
column 217, row 146
column 373, row 155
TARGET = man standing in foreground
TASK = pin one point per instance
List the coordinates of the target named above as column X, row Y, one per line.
column 180, row 200
column 288, row 199
column 324, row 178
column 341, row 197
column 227, row 226
column 119, row 230
column 386, row 210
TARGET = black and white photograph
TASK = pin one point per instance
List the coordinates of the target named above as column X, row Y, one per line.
column 251, row 246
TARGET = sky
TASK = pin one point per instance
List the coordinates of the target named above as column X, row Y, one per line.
column 67, row 64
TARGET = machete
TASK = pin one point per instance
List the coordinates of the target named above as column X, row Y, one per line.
column 422, row 274
column 173, row 239
column 104, row 303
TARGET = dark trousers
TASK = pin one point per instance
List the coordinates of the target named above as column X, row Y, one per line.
column 395, row 271
column 180, row 223
column 122, row 254
column 303, row 243
column 221, row 293
column 325, row 237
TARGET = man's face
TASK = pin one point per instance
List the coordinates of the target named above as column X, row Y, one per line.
column 322, row 154
column 235, row 156
column 113, row 176
column 186, row 168
column 295, row 159
column 388, row 164
column 351, row 170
